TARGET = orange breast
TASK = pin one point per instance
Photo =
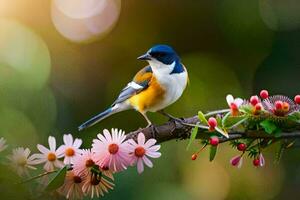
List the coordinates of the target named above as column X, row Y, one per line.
column 149, row 97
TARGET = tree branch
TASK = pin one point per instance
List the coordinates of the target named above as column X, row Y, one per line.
column 179, row 131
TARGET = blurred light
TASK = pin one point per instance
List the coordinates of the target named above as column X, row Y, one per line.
column 17, row 128
column 280, row 14
column 80, row 8
column 206, row 180
column 90, row 28
column 24, row 57
column 243, row 27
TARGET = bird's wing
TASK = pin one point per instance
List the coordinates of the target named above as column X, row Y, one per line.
column 139, row 83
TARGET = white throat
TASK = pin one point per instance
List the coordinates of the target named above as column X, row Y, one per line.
column 160, row 68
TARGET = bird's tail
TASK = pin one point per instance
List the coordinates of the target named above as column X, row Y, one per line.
column 112, row 110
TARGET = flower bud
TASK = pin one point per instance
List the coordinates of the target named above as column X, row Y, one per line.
column 254, row 100
column 297, row 99
column 264, row 94
column 214, row 141
column 212, row 123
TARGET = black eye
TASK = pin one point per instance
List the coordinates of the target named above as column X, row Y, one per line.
column 157, row 54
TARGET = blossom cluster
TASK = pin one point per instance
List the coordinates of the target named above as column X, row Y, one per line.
column 269, row 114
column 90, row 171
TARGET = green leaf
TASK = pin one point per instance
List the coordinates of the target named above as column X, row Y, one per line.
column 213, row 152
column 193, row 136
column 233, row 121
column 295, row 116
column 202, row 117
column 279, row 153
column 225, row 119
column 268, row 126
column 223, row 132
column 57, row 180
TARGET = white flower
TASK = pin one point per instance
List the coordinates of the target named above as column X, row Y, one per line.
column 2, row 144
column 48, row 156
column 70, row 149
column 21, row 161
column 236, row 101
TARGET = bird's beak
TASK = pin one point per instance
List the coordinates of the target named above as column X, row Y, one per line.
column 146, row 56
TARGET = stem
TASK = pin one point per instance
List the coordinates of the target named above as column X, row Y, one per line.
column 38, row 176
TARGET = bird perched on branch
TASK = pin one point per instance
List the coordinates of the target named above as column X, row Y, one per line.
column 153, row 88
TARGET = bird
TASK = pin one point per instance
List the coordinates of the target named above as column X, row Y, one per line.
column 153, row 88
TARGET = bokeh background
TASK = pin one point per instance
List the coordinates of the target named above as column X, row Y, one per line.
column 62, row 61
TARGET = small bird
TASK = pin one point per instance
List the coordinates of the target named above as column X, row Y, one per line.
column 153, row 88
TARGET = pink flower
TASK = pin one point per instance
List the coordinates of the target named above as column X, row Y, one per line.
column 70, row 149
column 234, row 103
column 72, row 187
column 261, row 160
column 236, row 161
column 83, row 162
column 95, row 185
column 280, row 105
column 111, row 150
column 141, row 150
column 48, row 156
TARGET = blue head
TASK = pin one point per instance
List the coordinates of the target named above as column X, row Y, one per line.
column 161, row 53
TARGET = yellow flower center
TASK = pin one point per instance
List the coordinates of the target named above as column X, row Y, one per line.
column 51, row 157
column 69, row 152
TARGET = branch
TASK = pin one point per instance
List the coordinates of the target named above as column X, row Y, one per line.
column 177, row 130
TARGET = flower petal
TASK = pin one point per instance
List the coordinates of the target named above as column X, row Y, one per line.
column 238, row 101
column 141, row 138
column 68, row 139
column 147, row 162
column 229, row 99
column 153, row 154
column 140, row 166
column 77, row 143
column 150, row 142
column 42, row 149
column 52, row 143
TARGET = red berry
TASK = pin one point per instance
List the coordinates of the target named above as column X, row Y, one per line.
column 258, row 107
column 278, row 105
column 264, row 94
column 214, row 141
column 212, row 122
column 256, row 162
column 286, row 106
column 254, row 100
column 194, row 156
column 242, row 147
column 297, row 99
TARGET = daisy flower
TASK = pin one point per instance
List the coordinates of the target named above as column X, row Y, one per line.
column 236, row 161
column 21, row 161
column 3, row 145
column 280, row 105
column 95, row 185
column 69, row 149
column 234, row 103
column 111, row 150
column 72, row 187
column 84, row 162
column 141, row 150
column 49, row 156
